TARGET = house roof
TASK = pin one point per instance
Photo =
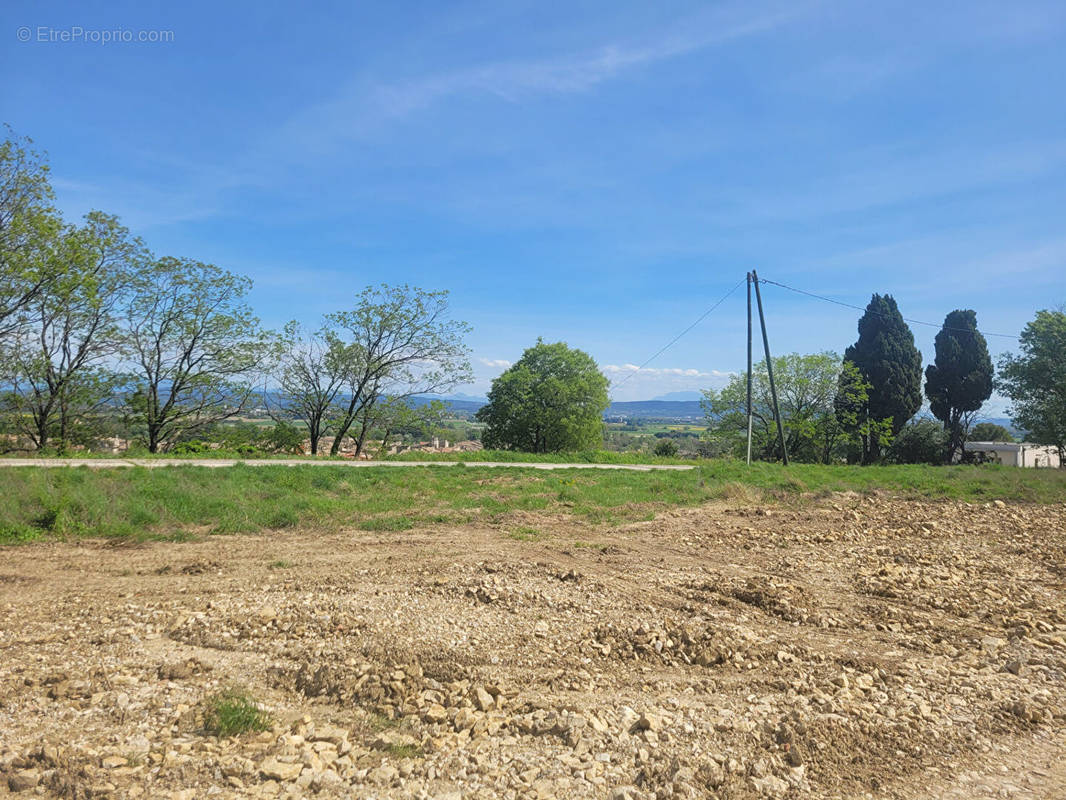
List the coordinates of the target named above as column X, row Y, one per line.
column 1004, row 446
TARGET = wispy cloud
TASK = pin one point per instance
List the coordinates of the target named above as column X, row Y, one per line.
column 659, row 372
column 368, row 101
column 577, row 72
column 143, row 204
column 844, row 76
column 975, row 258
column 883, row 177
column 630, row 382
column 495, row 363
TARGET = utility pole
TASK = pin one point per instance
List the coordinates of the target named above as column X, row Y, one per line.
column 769, row 368
column 749, row 369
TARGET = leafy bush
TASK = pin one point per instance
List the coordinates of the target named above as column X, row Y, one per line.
column 922, row 441
column 666, row 448
column 190, row 448
column 284, row 437
column 244, row 439
column 989, row 432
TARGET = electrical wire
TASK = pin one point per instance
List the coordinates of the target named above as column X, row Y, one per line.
column 674, row 341
column 868, row 311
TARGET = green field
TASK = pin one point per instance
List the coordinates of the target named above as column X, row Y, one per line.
column 182, row 502
column 516, row 456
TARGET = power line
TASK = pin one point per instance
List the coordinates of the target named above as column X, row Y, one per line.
column 673, row 341
column 866, row 310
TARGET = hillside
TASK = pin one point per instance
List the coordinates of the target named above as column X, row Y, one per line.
column 656, row 409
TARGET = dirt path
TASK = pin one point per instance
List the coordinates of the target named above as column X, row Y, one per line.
column 851, row 648
column 112, row 463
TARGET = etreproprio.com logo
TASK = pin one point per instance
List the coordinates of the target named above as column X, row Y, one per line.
column 76, row 34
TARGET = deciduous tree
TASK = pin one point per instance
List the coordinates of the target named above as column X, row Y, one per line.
column 64, row 334
column 922, row 441
column 852, row 406
column 195, row 347
column 401, row 416
column 400, row 342
column 806, row 387
column 30, row 228
column 312, row 370
column 551, row 400
column 989, row 432
column 1035, row 380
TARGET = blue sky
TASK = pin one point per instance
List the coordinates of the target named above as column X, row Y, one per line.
column 599, row 173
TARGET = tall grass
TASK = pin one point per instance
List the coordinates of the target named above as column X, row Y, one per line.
column 182, row 501
column 232, row 712
column 512, row 456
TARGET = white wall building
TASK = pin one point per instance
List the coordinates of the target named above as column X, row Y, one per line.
column 1016, row 454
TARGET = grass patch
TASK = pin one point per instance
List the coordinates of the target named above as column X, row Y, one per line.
column 525, row 533
column 232, row 712
column 281, row 563
column 404, row 751
column 512, row 457
column 376, row 722
column 180, row 502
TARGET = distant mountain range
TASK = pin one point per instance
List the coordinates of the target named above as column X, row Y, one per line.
column 463, row 403
column 675, row 409
column 659, row 409
column 686, row 395
column 679, row 407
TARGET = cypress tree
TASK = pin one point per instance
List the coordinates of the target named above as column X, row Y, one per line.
column 887, row 360
column 959, row 381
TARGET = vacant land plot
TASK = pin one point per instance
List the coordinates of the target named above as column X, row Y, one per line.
column 845, row 646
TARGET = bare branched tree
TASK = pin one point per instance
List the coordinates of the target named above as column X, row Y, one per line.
column 56, row 358
column 401, row 342
column 312, row 370
column 29, row 228
column 195, row 348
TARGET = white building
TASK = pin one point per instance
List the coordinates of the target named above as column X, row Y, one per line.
column 1016, row 454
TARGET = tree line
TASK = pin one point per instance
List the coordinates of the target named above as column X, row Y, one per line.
column 96, row 331
column 99, row 334
column 861, row 407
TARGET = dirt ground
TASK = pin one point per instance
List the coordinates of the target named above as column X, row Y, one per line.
column 850, row 647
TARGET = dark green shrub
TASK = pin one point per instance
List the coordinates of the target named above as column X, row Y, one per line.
column 666, row 448
column 922, row 441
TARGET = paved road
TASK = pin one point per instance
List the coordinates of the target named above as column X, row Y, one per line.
column 110, row 463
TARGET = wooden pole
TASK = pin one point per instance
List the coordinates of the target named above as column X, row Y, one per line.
column 769, row 367
column 749, row 369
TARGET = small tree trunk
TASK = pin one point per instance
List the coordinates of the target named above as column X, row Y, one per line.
column 361, row 439
column 41, row 424
column 341, row 433
column 64, row 426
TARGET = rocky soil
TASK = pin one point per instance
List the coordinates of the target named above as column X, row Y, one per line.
column 847, row 647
